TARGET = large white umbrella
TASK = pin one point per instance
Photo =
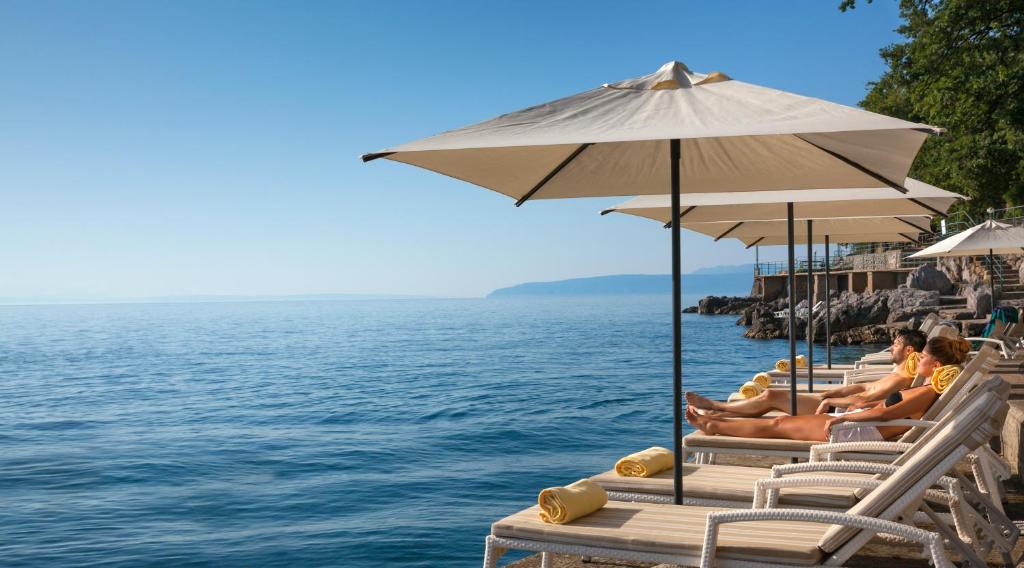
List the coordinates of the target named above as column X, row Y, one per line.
column 739, row 213
column 856, row 229
column 920, row 199
column 673, row 131
column 987, row 239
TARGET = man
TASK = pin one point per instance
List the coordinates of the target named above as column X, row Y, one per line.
column 907, row 341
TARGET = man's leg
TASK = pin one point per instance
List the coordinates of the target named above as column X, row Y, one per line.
column 768, row 401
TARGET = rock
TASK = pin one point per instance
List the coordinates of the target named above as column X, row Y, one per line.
column 864, row 334
column 764, row 324
column 927, row 277
column 979, row 300
column 690, row 310
column 905, row 303
column 724, row 304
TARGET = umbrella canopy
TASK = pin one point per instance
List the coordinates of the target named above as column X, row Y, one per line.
column 840, row 230
column 921, row 199
column 674, row 131
column 990, row 237
column 614, row 140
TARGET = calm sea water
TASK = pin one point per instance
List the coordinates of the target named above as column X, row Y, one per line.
column 362, row 433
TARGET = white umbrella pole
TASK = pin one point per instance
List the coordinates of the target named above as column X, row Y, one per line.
column 828, row 310
column 992, row 277
column 810, row 306
column 677, row 329
column 791, row 281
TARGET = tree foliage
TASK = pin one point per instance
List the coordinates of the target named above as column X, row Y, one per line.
column 961, row 68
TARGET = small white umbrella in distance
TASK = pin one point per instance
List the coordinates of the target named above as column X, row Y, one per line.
column 987, row 239
column 990, row 237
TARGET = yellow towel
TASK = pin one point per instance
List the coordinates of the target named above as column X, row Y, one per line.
column 763, row 379
column 645, row 463
column 560, row 505
column 910, row 364
column 782, row 365
column 944, row 376
column 750, row 389
column 734, row 397
column 801, row 362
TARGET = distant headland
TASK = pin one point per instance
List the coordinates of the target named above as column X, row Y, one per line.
column 729, row 280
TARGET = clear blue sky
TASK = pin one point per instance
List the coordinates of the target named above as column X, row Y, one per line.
column 195, row 147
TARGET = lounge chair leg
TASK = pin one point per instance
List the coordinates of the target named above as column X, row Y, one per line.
column 547, row 560
column 492, row 553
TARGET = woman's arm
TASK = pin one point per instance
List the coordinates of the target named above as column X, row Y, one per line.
column 915, row 402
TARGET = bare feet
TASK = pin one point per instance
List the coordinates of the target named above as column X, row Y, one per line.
column 696, row 420
column 695, row 400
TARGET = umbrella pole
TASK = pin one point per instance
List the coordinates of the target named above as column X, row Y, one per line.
column 791, row 281
column 810, row 307
column 677, row 329
column 828, row 311
column 992, row 278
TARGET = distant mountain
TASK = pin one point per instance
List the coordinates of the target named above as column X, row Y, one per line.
column 732, row 269
column 725, row 284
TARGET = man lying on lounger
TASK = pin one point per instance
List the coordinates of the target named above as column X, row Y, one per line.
column 941, row 358
column 907, row 341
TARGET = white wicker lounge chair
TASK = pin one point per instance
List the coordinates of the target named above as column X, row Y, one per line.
column 976, row 518
column 707, row 536
column 704, row 447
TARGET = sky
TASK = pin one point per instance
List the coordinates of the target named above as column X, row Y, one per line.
column 182, row 147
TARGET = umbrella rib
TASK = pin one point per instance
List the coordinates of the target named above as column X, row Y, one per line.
column 926, row 206
column 681, row 214
column 552, row 173
column 928, row 230
column 755, row 242
column 375, row 155
column 856, row 166
column 731, row 229
column 909, row 238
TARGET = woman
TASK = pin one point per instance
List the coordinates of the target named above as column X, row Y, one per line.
column 938, row 361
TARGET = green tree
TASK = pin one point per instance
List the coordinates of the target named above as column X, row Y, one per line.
column 961, row 68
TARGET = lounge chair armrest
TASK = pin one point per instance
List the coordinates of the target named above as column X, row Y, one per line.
column 779, row 471
column 931, row 541
column 876, row 423
column 766, row 491
column 820, row 450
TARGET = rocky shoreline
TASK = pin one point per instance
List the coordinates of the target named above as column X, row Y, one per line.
column 856, row 318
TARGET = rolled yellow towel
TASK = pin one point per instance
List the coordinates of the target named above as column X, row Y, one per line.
column 944, row 376
column 763, row 379
column 560, row 505
column 801, row 362
column 910, row 364
column 734, row 397
column 782, row 365
column 645, row 463
column 750, row 389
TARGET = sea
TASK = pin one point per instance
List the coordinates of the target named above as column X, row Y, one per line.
column 328, row 433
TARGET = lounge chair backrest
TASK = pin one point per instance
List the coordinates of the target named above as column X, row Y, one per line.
column 955, row 438
column 975, row 369
column 929, row 322
column 943, row 330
